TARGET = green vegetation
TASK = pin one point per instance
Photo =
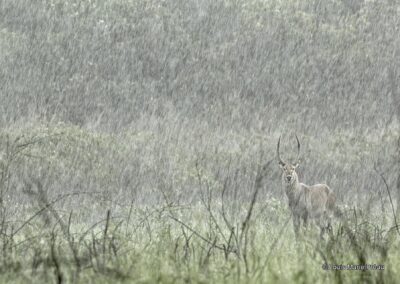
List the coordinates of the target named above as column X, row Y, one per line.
column 138, row 139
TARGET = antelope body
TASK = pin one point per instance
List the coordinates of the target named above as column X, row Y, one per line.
column 307, row 203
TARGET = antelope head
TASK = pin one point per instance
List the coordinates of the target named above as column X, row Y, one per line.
column 289, row 174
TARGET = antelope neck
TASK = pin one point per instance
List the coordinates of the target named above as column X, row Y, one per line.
column 292, row 190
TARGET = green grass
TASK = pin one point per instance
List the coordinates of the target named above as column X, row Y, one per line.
column 153, row 247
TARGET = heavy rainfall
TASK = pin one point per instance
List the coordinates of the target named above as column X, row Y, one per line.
column 139, row 141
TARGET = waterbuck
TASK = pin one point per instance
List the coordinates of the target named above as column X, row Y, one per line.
column 307, row 203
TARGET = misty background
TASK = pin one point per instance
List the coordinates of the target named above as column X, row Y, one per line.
column 130, row 97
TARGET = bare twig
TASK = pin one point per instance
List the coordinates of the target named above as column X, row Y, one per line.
column 390, row 199
column 199, row 235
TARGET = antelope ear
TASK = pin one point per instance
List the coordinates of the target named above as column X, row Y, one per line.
column 281, row 165
column 297, row 164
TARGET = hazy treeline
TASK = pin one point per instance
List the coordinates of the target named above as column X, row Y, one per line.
column 313, row 66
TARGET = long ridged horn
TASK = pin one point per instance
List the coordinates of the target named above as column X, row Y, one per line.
column 298, row 150
column 281, row 162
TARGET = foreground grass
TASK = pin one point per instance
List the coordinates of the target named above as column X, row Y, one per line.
column 177, row 245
